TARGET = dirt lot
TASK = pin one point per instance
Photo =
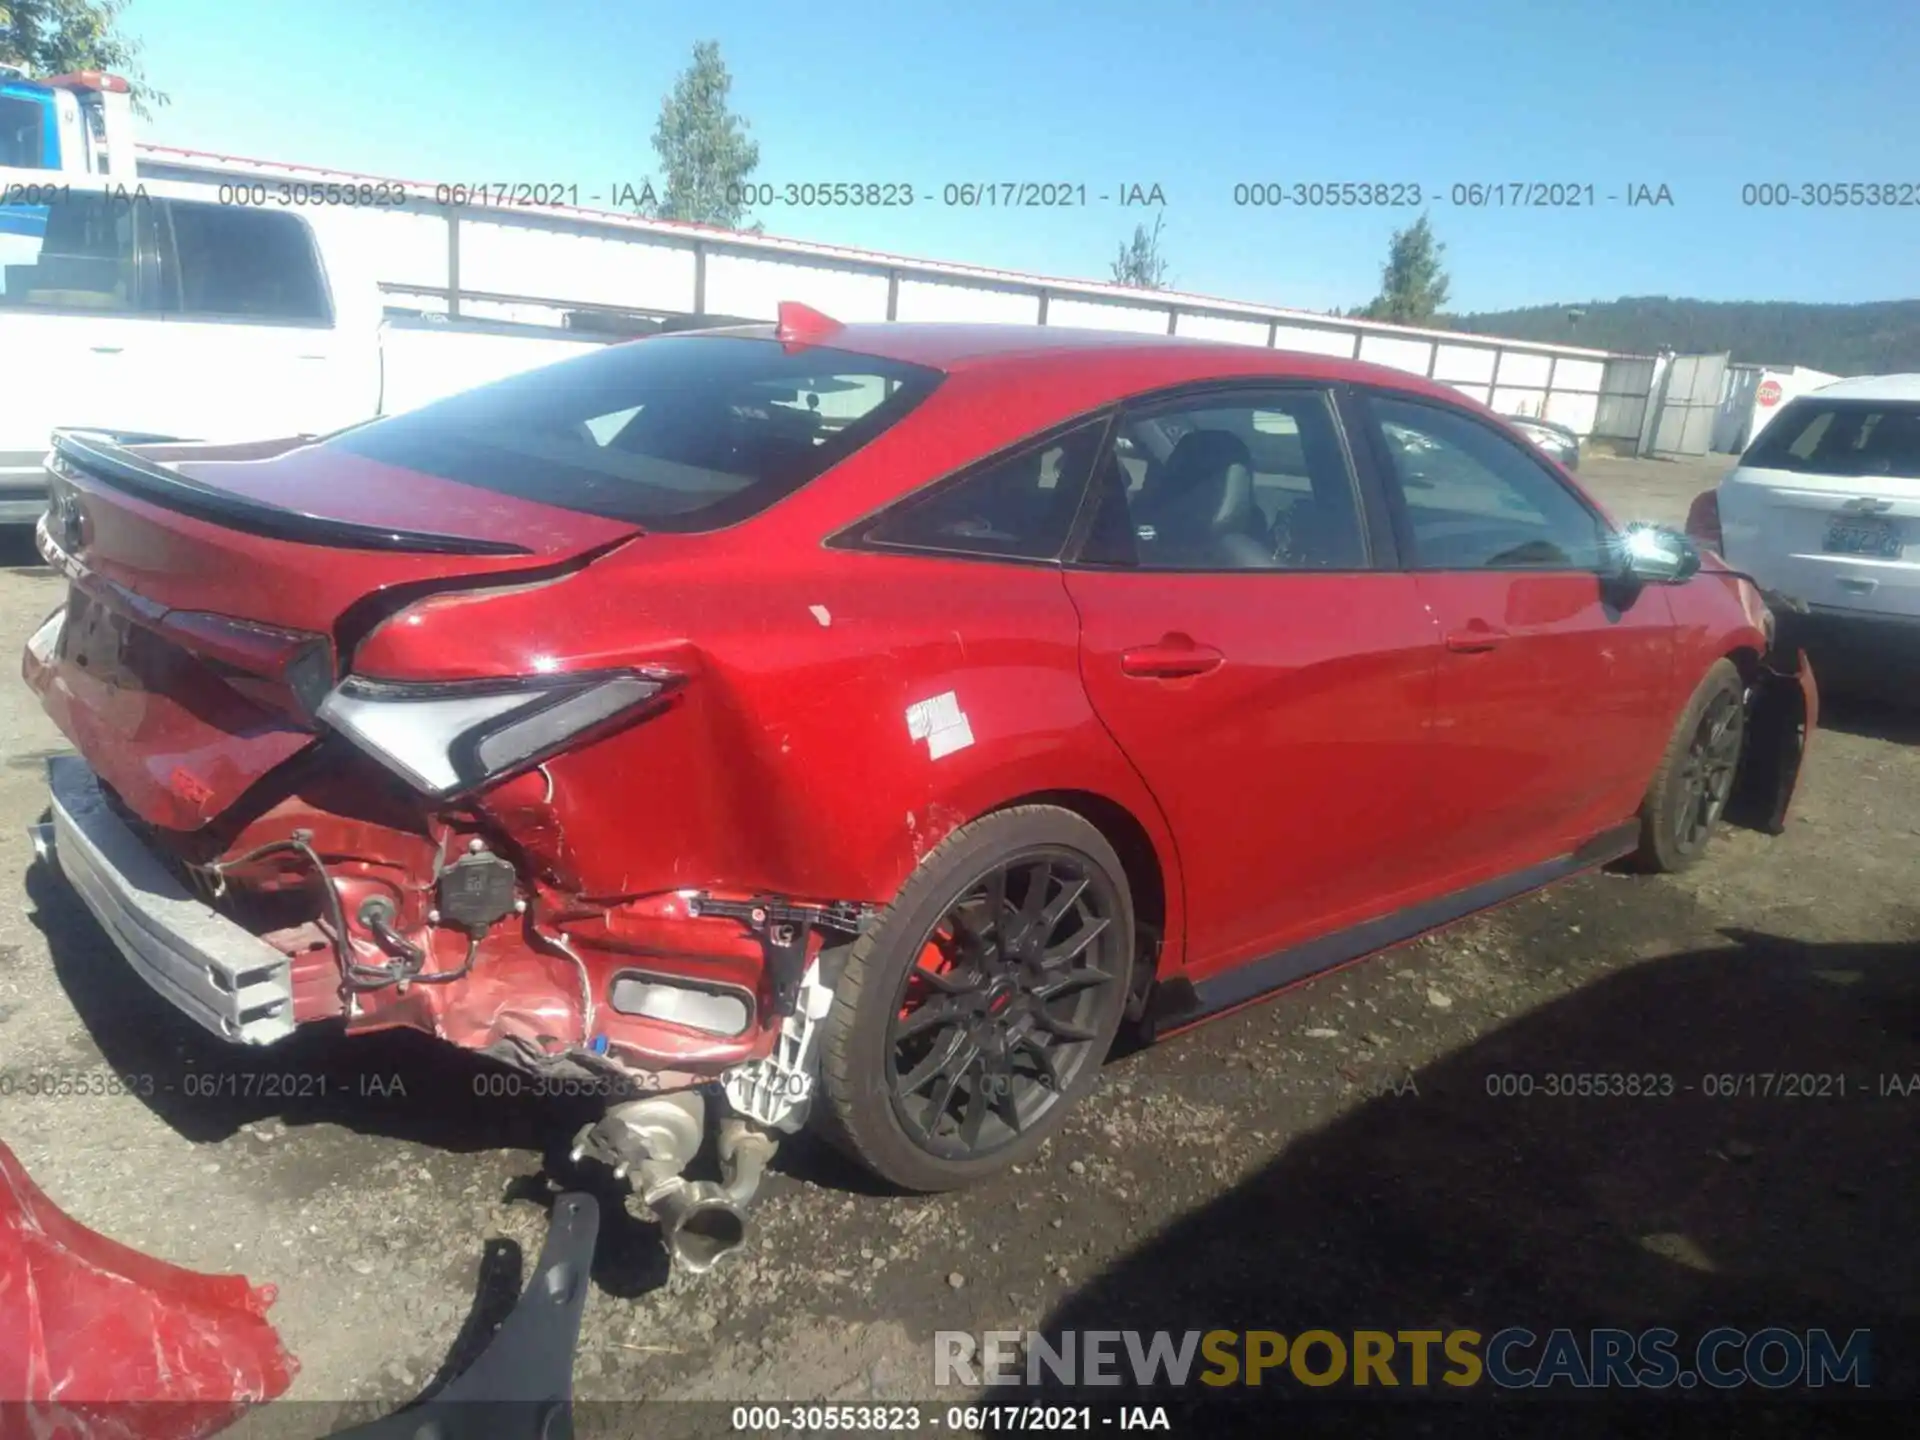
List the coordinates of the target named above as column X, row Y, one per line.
column 1333, row 1159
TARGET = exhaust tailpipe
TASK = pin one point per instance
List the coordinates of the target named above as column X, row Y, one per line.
column 654, row 1140
column 699, row 1223
column 43, row 843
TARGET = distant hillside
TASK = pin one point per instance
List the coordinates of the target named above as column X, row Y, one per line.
column 1877, row 338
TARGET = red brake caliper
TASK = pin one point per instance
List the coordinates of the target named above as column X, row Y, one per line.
column 935, row 959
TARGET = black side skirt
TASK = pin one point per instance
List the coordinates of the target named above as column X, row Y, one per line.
column 1179, row 1003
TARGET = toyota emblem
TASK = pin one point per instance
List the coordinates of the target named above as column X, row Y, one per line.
column 63, row 519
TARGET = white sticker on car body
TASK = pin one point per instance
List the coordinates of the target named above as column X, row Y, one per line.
column 941, row 723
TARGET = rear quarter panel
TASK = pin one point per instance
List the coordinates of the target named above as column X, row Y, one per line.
column 788, row 762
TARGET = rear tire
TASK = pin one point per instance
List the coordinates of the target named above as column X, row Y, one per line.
column 977, row 1011
column 1690, row 788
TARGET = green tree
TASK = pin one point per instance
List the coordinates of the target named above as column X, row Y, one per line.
column 1140, row 263
column 54, row 37
column 1413, row 284
column 703, row 146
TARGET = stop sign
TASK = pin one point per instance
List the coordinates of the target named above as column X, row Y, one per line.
column 1768, row 393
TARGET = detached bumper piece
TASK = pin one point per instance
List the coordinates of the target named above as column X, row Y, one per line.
column 1783, row 712
column 521, row 1387
column 223, row 976
column 100, row 1340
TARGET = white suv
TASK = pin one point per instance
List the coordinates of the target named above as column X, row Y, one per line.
column 1824, row 507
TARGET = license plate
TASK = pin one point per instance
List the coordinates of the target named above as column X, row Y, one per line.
column 1864, row 535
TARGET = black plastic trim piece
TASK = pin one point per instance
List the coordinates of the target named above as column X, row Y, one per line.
column 1180, row 1003
column 129, row 473
column 522, row 1383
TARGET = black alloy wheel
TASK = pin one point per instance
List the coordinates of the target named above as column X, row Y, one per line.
column 1000, row 1013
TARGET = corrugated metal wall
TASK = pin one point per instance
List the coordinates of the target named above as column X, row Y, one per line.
column 534, row 266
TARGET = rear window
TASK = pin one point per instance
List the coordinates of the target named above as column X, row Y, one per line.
column 227, row 260
column 1841, row 437
column 680, row 433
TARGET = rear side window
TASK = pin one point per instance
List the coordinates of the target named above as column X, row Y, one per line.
column 76, row 253
column 681, row 433
column 1841, row 437
column 1019, row 506
column 229, row 261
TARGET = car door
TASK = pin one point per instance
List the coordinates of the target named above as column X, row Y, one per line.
column 1247, row 641
column 1554, row 691
column 252, row 344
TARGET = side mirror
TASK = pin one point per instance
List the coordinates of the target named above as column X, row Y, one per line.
column 1657, row 555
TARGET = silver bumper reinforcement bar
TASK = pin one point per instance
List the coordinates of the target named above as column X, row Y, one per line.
column 222, row 975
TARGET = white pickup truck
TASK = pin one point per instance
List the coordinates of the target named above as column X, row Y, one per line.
column 153, row 310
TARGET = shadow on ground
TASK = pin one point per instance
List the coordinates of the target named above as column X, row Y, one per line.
column 18, row 553
column 1454, row 1208
column 1891, row 713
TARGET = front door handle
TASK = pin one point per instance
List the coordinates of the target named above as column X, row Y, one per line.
column 107, row 349
column 1475, row 639
column 1173, row 657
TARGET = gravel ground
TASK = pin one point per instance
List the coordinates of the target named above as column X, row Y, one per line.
column 1332, row 1159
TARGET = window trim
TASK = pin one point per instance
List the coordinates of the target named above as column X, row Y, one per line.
column 1376, row 556
column 167, row 269
column 1396, row 500
column 858, row 534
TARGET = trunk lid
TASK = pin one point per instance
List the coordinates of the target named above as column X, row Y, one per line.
column 213, row 593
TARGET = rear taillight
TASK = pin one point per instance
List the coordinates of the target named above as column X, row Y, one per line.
column 450, row 737
column 1703, row 520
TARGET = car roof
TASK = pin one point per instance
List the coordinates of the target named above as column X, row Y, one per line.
column 1160, row 359
column 1872, row 387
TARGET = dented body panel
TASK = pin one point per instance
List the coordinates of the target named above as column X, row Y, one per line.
column 816, row 717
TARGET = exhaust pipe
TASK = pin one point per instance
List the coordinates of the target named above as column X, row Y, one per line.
column 43, row 843
column 699, row 1223
column 655, row 1139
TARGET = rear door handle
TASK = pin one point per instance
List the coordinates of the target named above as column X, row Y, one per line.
column 108, row 349
column 1476, row 638
column 1174, row 657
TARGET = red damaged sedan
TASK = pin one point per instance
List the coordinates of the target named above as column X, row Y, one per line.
column 858, row 724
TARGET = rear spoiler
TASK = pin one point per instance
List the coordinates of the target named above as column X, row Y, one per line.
column 102, row 461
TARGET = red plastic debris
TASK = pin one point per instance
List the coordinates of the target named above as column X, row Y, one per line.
column 100, row 1342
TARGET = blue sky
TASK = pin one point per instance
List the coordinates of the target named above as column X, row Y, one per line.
column 1701, row 96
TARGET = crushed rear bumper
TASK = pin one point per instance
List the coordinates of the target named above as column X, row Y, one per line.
column 223, row 976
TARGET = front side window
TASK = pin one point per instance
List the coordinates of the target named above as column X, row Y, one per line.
column 76, row 253
column 1475, row 500
column 1018, row 506
column 1841, row 437
column 679, row 432
column 1217, row 484
column 230, row 261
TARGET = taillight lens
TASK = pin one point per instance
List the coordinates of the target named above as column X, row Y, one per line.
column 452, row 737
column 1703, row 520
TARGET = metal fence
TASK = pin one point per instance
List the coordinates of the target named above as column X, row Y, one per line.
column 610, row 274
